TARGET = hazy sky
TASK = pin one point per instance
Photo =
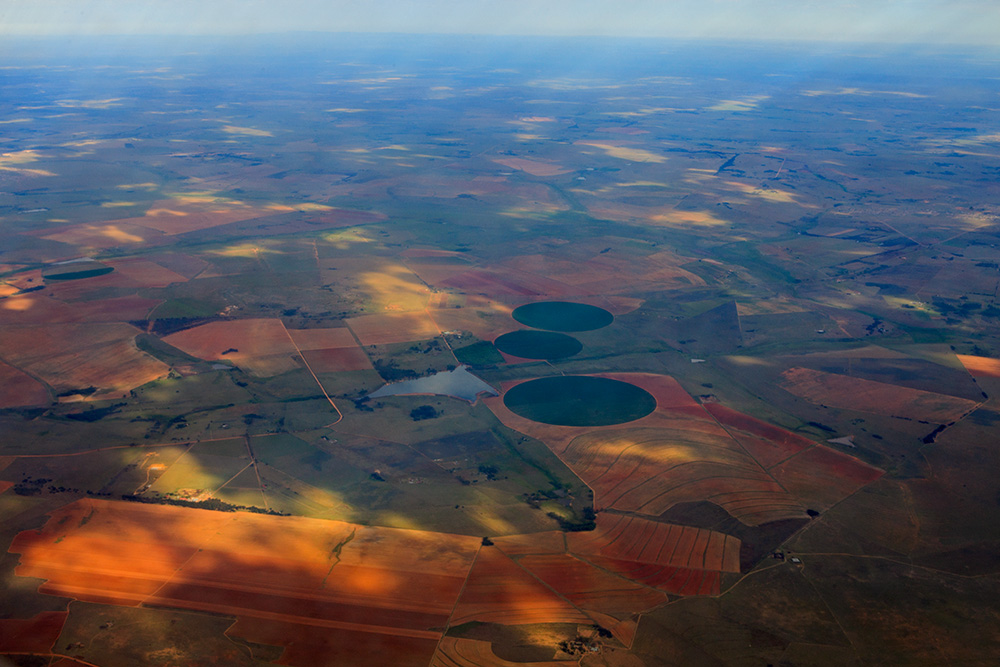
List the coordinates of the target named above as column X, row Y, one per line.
column 920, row 21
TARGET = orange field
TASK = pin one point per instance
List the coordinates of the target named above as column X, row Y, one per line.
column 459, row 652
column 980, row 367
column 500, row 591
column 393, row 328
column 75, row 356
column 842, row 391
column 314, row 586
column 19, row 389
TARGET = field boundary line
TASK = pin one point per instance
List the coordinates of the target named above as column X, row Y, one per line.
column 340, row 415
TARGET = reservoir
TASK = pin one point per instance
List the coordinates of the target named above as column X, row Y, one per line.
column 458, row 383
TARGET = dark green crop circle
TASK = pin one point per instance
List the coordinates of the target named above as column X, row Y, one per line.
column 538, row 344
column 579, row 400
column 562, row 316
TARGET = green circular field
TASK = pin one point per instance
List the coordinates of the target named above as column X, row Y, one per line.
column 562, row 316
column 579, row 400
column 538, row 344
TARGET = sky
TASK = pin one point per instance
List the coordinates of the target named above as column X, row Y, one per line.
column 966, row 22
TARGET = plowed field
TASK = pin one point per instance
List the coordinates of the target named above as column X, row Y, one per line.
column 325, row 589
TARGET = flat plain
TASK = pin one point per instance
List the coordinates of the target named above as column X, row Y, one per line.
column 739, row 308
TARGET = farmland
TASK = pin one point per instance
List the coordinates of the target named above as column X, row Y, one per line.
column 740, row 323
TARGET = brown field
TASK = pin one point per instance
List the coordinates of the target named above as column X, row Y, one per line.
column 611, row 273
column 310, row 585
column 499, row 283
column 649, row 470
column 842, row 391
column 500, row 591
column 31, row 635
column 19, row 389
column 128, row 273
column 980, row 367
column 822, row 477
column 461, row 652
column 262, row 345
column 767, row 444
column 393, row 328
column 103, row 235
column 533, row 167
column 74, row 356
column 337, row 359
column 677, row 580
column 635, row 539
column 32, row 309
column 591, row 588
column 484, row 322
column 321, row 339
column 173, row 217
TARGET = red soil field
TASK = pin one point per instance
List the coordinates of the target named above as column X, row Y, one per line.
column 643, row 541
column 822, row 477
column 499, row 282
column 31, row 635
column 460, row 652
column 252, row 338
column 393, row 328
column 19, row 389
column 75, row 356
column 765, row 443
column 4, row 484
column 533, row 167
column 32, row 309
column 309, row 645
column 842, row 391
column 589, row 588
column 676, row 580
column 316, row 586
column 500, row 591
column 980, row 367
column 535, row 543
column 321, row 339
column 335, row 360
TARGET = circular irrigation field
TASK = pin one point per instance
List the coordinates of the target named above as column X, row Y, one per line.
column 538, row 344
column 562, row 316
column 579, row 400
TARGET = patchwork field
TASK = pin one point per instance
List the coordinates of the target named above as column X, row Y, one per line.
column 740, row 306
column 282, row 577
